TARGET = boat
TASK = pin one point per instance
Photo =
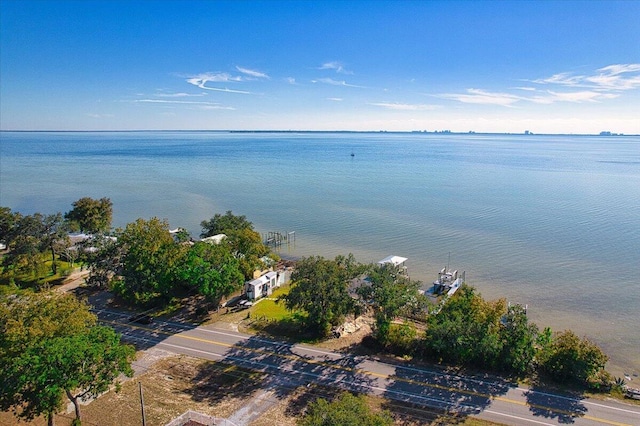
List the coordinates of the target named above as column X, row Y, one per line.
column 448, row 283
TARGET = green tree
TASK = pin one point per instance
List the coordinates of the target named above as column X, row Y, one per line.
column 8, row 221
column 467, row 330
column 222, row 224
column 571, row 358
column 53, row 237
column 22, row 237
column 30, row 237
column 389, row 294
column 212, row 270
column 103, row 256
column 245, row 242
column 248, row 248
column 50, row 347
column 345, row 410
column 320, row 287
column 90, row 215
column 149, row 262
column 518, row 340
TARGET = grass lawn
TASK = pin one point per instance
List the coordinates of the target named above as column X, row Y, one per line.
column 271, row 310
column 43, row 275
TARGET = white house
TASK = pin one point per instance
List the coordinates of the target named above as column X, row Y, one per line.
column 262, row 286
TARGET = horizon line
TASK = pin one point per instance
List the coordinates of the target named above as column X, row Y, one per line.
column 438, row 132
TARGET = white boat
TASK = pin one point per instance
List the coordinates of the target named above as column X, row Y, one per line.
column 446, row 285
column 448, row 282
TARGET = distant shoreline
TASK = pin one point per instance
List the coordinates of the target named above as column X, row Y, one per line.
column 376, row 132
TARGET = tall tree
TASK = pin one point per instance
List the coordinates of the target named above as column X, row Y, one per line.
column 8, row 221
column 50, row 347
column 149, row 263
column 467, row 330
column 211, row 270
column 30, row 237
column 518, row 337
column 246, row 243
column 320, row 287
column 54, row 237
column 90, row 215
column 103, row 256
column 569, row 357
column 390, row 293
column 222, row 224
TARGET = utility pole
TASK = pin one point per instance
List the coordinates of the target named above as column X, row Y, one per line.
column 144, row 423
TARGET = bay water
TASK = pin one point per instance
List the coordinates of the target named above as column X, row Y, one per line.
column 549, row 221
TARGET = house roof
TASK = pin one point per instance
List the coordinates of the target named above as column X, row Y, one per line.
column 214, row 239
column 395, row 260
column 263, row 279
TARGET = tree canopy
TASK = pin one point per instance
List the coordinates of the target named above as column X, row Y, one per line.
column 467, row 330
column 51, row 347
column 90, row 215
column 150, row 260
column 222, row 224
column 389, row 294
column 320, row 288
column 30, row 238
column 211, row 270
column 568, row 357
column 345, row 410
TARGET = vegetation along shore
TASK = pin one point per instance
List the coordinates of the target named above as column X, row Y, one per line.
column 55, row 346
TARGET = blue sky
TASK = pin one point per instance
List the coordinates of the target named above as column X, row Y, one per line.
column 544, row 66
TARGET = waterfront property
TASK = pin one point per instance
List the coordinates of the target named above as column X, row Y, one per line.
column 265, row 284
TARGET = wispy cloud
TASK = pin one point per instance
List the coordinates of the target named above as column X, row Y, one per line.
column 478, row 96
column 396, row 106
column 551, row 97
column 201, row 105
column 333, row 82
column 201, row 81
column 336, row 66
column 290, row 80
column 98, row 116
column 615, row 77
column 601, row 85
column 253, row 73
column 335, row 99
column 179, row 95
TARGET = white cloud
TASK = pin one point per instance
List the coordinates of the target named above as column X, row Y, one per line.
column 478, row 96
column 335, row 99
column 252, row 73
column 605, row 83
column 575, row 97
column 291, row 80
column 405, row 107
column 201, row 81
column 336, row 66
column 179, row 95
column 564, row 78
column 201, row 105
column 333, row 82
column 615, row 77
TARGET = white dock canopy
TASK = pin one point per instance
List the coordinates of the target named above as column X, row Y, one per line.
column 394, row 260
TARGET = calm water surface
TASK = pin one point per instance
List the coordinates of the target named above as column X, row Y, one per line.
column 548, row 221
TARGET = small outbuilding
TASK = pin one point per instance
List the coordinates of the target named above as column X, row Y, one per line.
column 264, row 285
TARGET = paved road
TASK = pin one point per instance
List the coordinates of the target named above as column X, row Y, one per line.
column 484, row 397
